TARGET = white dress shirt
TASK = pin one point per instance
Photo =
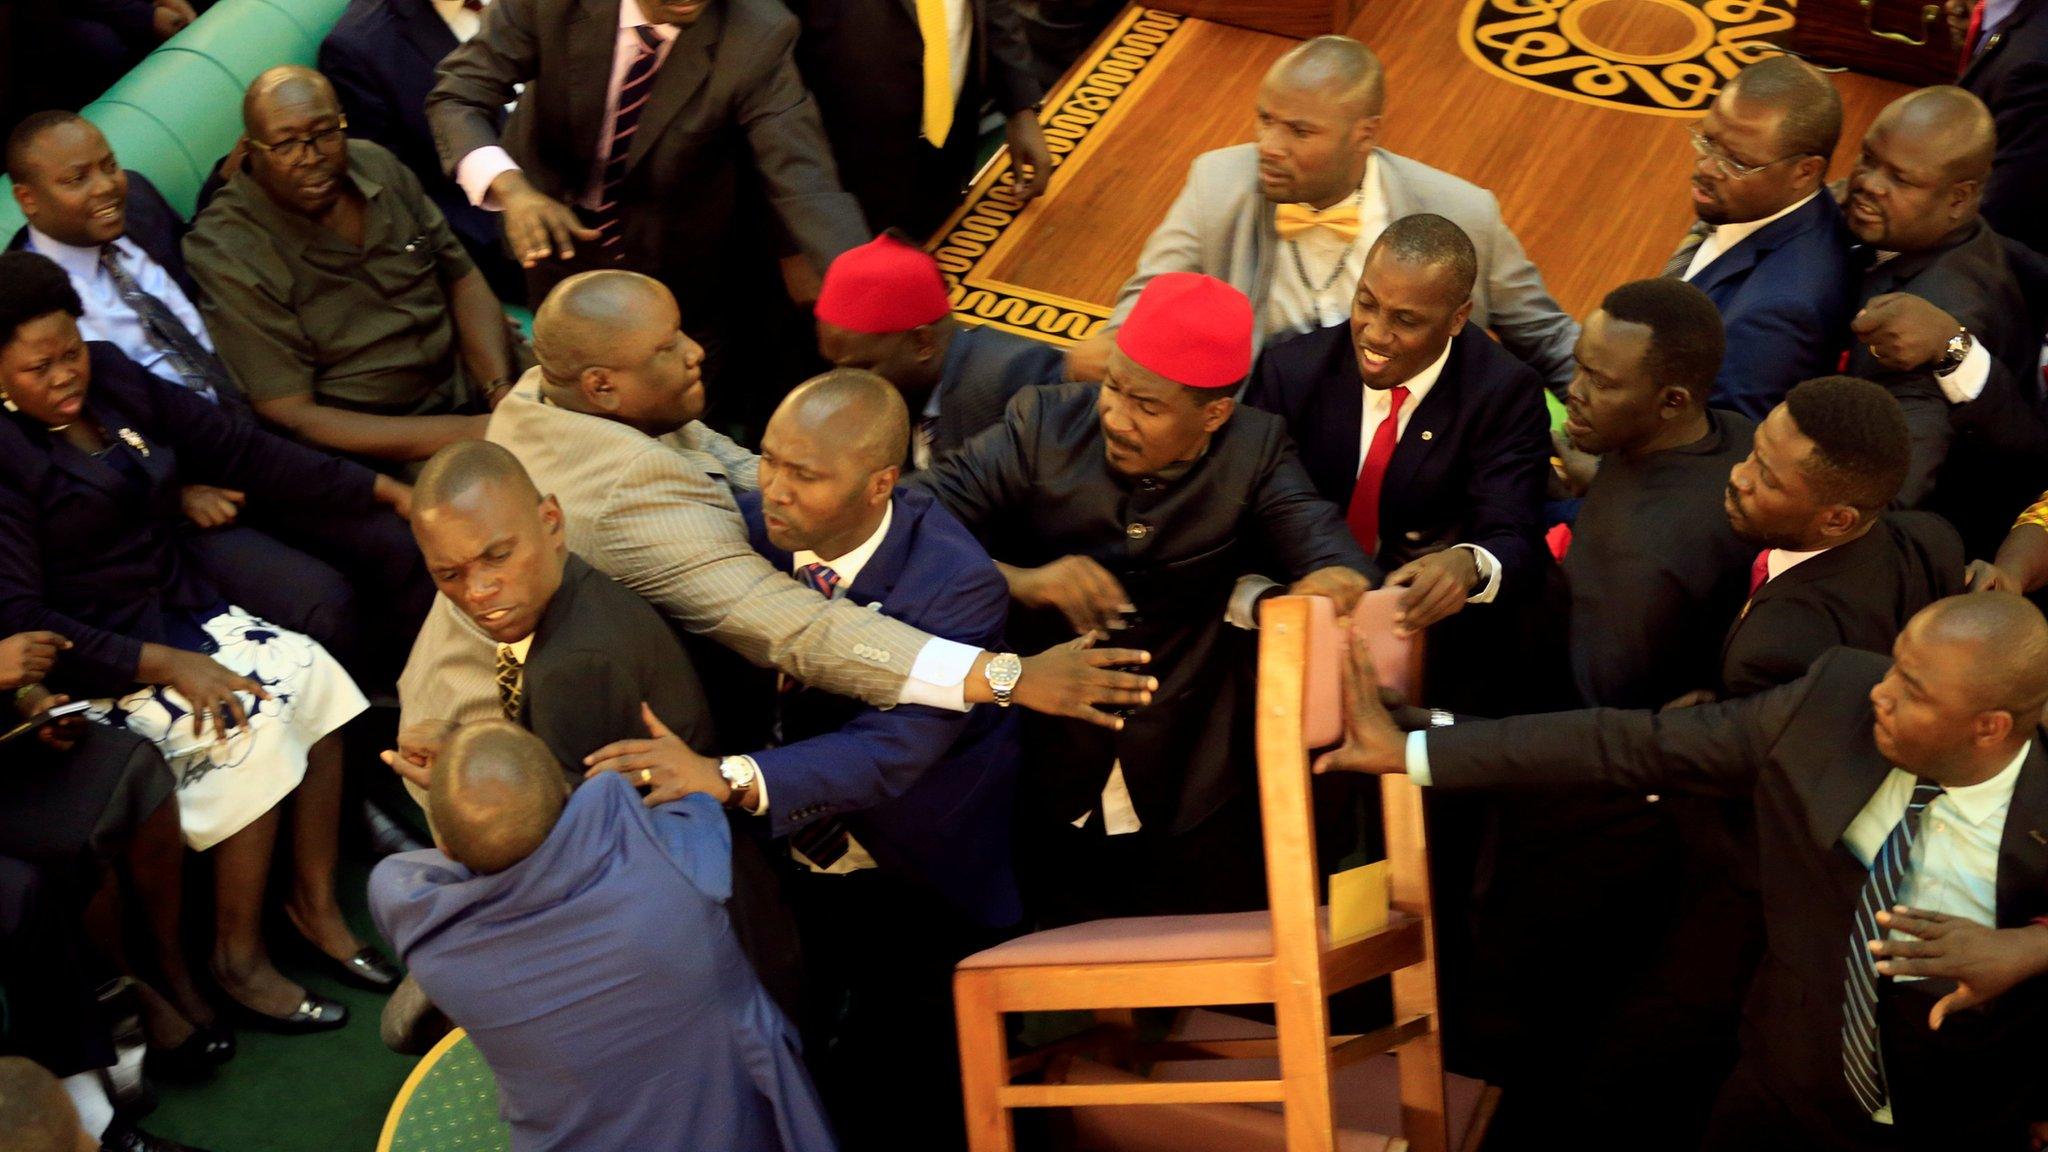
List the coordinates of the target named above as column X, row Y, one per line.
column 1726, row 236
column 475, row 171
column 959, row 43
column 108, row 317
column 462, row 21
column 1292, row 306
column 1967, row 382
column 848, row 568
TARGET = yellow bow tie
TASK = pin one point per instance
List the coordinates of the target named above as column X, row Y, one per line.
column 1294, row 220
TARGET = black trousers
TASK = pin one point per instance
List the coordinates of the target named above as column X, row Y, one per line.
column 879, row 951
column 53, row 1018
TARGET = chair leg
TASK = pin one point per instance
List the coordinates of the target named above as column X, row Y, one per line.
column 1425, row 1116
column 1309, row 1105
column 984, row 1065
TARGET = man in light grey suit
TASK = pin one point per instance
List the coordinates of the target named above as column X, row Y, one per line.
column 1288, row 219
column 607, row 425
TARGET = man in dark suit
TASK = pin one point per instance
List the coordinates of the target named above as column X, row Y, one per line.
column 1836, row 569
column 2004, row 47
column 1913, row 202
column 902, row 101
column 535, row 635
column 1431, row 438
column 381, row 57
column 651, row 136
column 1916, row 781
column 1135, row 507
column 1769, row 248
column 884, row 308
column 119, row 241
column 898, row 820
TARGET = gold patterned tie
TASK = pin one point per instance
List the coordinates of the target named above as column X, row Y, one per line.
column 938, row 70
column 511, row 683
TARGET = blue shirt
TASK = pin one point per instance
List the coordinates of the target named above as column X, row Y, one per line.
column 107, row 316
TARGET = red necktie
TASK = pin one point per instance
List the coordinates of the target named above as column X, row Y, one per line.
column 1970, row 37
column 1364, row 516
column 1759, row 571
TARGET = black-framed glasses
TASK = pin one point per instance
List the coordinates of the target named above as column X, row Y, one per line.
column 299, row 148
column 1729, row 165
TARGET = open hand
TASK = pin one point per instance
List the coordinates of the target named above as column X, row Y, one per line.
column 211, row 690
column 1341, row 585
column 1984, row 962
column 1077, row 679
column 1373, row 743
column 1030, row 159
column 537, row 225
column 1081, row 589
column 668, row 768
column 1437, row 587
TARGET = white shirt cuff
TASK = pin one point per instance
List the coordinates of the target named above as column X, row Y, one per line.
column 938, row 677
column 1967, row 382
column 760, row 803
column 1489, row 574
column 1418, row 757
column 474, row 173
column 1243, row 609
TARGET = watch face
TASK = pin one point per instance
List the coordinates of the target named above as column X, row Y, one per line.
column 1004, row 670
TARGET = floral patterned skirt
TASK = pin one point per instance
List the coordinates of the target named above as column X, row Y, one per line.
column 226, row 784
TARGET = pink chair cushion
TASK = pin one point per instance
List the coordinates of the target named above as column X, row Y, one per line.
column 1141, row 939
column 1396, row 659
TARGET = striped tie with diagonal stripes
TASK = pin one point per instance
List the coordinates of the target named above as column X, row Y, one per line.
column 634, row 91
column 825, row 841
column 1862, row 1062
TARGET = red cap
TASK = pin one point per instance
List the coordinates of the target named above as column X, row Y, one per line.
column 881, row 287
column 1192, row 329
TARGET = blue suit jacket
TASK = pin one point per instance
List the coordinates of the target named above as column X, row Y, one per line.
column 926, row 791
column 1786, row 294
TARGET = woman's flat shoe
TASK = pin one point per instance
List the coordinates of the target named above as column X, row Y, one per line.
column 220, row 1042
column 316, row 1013
column 188, row 1063
column 371, row 969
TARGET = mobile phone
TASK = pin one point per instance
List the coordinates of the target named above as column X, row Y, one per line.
column 46, row 719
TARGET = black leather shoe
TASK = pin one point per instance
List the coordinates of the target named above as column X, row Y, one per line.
column 122, row 1136
column 369, row 968
column 316, row 1013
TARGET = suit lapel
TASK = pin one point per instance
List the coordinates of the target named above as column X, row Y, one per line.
column 2023, row 851
column 425, row 30
column 1427, row 428
column 684, row 70
column 1998, row 37
column 593, row 42
column 559, row 608
column 878, row 576
column 1399, row 202
column 1341, row 422
column 1744, row 256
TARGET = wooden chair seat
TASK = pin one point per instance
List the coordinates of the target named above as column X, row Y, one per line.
column 1154, row 939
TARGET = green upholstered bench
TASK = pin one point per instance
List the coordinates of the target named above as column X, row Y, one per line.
column 181, row 109
column 448, row 1104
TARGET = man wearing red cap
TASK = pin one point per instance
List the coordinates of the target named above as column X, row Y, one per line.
column 1135, row 506
column 884, row 308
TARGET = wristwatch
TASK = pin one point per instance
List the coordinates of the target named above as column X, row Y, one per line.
column 739, row 774
column 1003, row 670
column 1438, row 718
column 1953, row 354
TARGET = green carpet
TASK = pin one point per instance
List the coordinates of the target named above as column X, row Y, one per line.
column 325, row 1092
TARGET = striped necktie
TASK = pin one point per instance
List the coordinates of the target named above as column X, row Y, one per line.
column 1681, row 260
column 822, row 842
column 1862, row 1060
column 634, row 91
column 201, row 370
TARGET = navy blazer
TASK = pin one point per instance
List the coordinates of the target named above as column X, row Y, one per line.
column 79, row 555
column 1786, row 294
column 381, row 58
column 984, row 367
column 927, row 792
column 153, row 225
column 1470, row 468
column 2010, row 75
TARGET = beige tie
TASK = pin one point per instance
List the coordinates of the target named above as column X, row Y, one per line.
column 938, row 70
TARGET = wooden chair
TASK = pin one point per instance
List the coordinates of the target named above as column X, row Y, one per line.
column 1281, row 957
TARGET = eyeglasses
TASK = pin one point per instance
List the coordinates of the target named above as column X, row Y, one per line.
column 1730, row 166
column 301, row 147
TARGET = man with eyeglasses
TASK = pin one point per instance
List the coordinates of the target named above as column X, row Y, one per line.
column 1768, row 248
column 1913, row 201
column 337, row 294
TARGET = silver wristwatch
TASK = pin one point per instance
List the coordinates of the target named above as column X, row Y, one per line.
column 1438, row 718
column 738, row 772
column 1955, row 352
column 1003, row 670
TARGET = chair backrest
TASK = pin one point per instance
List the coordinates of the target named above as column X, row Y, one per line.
column 449, row 1101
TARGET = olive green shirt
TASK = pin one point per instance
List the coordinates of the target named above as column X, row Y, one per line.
column 296, row 309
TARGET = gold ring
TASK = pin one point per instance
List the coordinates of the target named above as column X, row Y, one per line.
column 646, row 776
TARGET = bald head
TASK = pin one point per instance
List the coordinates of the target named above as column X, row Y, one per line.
column 495, row 796
column 855, row 408
column 1341, row 69
column 465, row 464
column 35, row 1113
column 2007, row 643
column 1951, row 122
column 284, row 85
column 578, row 326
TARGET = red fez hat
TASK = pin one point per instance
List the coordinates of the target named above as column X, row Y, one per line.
column 881, row 287
column 1192, row 329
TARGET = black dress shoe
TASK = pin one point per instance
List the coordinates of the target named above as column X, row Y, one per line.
column 370, row 969
column 122, row 1136
column 316, row 1013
